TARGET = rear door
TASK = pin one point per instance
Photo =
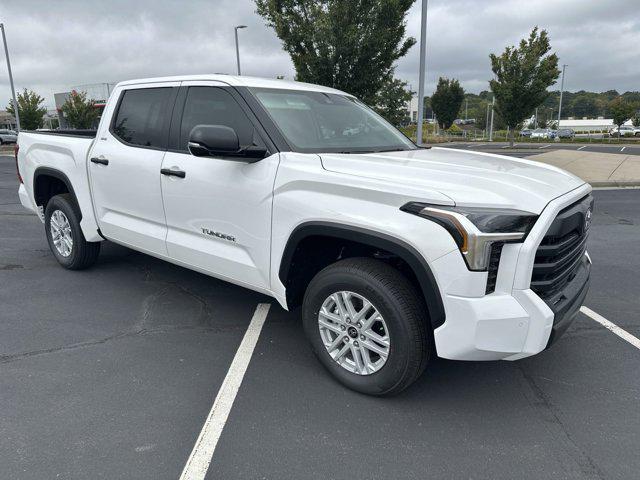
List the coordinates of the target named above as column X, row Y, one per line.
column 125, row 167
column 219, row 214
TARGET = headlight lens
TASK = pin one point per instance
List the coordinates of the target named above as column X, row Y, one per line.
column 475, row 230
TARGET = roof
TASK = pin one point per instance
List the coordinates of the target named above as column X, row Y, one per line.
column 238, row 81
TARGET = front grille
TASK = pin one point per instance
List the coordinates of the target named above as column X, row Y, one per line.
column 561, row 249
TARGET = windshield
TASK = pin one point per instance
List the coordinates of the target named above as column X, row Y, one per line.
column 315, row 122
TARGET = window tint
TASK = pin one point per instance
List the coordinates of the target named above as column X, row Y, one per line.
column 214, row 106
column 142, row 117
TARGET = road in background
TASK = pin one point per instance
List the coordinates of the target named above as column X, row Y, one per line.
column 525, row 149
column 111, row 373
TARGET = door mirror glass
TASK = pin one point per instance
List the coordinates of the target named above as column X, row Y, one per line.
column 220, row 140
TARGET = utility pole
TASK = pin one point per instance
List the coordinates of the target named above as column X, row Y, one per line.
column 561, row 92
column 235, row 29
column 493, row 103
column 486, row 129
column 423, row 54
column 13, row 90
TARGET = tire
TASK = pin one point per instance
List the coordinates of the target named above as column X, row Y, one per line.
column 81, row 254
column 405, row 320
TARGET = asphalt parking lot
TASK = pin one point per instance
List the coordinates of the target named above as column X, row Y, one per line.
column 111, row 372
column 524, row 149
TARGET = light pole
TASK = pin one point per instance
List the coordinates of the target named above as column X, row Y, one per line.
column 493, row 104
column 13, row 90
column 423, row 54
column 561, row 92
column 235, row 29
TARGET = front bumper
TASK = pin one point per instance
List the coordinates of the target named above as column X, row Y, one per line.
column 513, row 322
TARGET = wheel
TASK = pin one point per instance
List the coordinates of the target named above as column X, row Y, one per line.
column 367, row 325
column 637, row 134
column 65, row 237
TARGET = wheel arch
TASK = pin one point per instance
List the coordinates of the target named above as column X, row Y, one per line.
column 375, row 240
column 46, row 184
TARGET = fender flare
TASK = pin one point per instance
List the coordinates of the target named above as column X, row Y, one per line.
column 52, row 172
column 398, row 247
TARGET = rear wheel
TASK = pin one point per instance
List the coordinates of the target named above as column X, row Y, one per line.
column 65, row 237
column 367, row 325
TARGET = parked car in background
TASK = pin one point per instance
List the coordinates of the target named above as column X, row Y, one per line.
column 8, row 136
column 565, row 133
column 625, row 131
column 526, row 132
column 543, row 133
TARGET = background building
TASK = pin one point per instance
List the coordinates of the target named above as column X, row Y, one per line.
column 7, row 120
column 99, row 92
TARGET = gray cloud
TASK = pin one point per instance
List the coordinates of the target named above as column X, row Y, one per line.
column 57, row 45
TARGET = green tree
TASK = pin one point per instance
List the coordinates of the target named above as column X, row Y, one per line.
column 29, row 109
column 392, row 102
column 636, row 120
column 447, row 100
column 351, row 45
column 621, row 111
column 522, row 76
column 78, row 111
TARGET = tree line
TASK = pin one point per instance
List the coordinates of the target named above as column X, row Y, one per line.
column 79, row 111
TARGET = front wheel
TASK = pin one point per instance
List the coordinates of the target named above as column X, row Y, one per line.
column 65, row 237
column 367, row 325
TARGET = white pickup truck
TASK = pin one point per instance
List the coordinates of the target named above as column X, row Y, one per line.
column 395, row 253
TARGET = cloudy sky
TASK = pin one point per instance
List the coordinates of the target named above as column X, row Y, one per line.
column 66, row 43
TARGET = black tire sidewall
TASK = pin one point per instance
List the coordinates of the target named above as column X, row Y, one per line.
column 63, row 203
column 394, row 370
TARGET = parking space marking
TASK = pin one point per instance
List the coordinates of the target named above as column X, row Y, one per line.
column 611, row 326
column 584, row 146
column 200, row 458
column 622, row 149
column 544, row 146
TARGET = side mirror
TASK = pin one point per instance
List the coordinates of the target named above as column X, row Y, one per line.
column 220, row 140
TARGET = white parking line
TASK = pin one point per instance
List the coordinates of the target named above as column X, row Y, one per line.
column 584, row 146
column 622, row 149
column 611, row 326
column 544, row 146
column 200, row 458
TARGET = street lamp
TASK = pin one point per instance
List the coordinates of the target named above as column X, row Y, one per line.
column 13, row 90
column 423, row 54
column 235, row 29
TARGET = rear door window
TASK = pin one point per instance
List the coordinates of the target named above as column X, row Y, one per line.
column 143, row 117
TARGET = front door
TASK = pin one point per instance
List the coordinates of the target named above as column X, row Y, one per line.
column 125, row 164
column 219, row 214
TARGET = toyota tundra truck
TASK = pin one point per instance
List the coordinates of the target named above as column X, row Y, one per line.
column 395, row 253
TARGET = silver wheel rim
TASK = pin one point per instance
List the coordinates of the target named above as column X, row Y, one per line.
column 61, row 233
column 354, row 333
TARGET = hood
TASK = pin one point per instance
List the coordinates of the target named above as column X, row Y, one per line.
column 468, row 178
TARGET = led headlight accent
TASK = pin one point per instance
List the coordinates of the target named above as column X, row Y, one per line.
column 475, row 229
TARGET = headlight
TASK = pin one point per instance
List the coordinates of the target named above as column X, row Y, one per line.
column 475, row 230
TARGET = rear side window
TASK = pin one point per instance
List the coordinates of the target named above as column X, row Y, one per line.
column 214, row 106
column 143, row 117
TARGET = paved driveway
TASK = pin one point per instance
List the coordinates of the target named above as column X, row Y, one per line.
column 111, row 372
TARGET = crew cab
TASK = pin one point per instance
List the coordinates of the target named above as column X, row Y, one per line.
column 394, row 253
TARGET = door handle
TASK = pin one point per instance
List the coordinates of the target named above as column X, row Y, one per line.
column 101, row 161
column 173, row 173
